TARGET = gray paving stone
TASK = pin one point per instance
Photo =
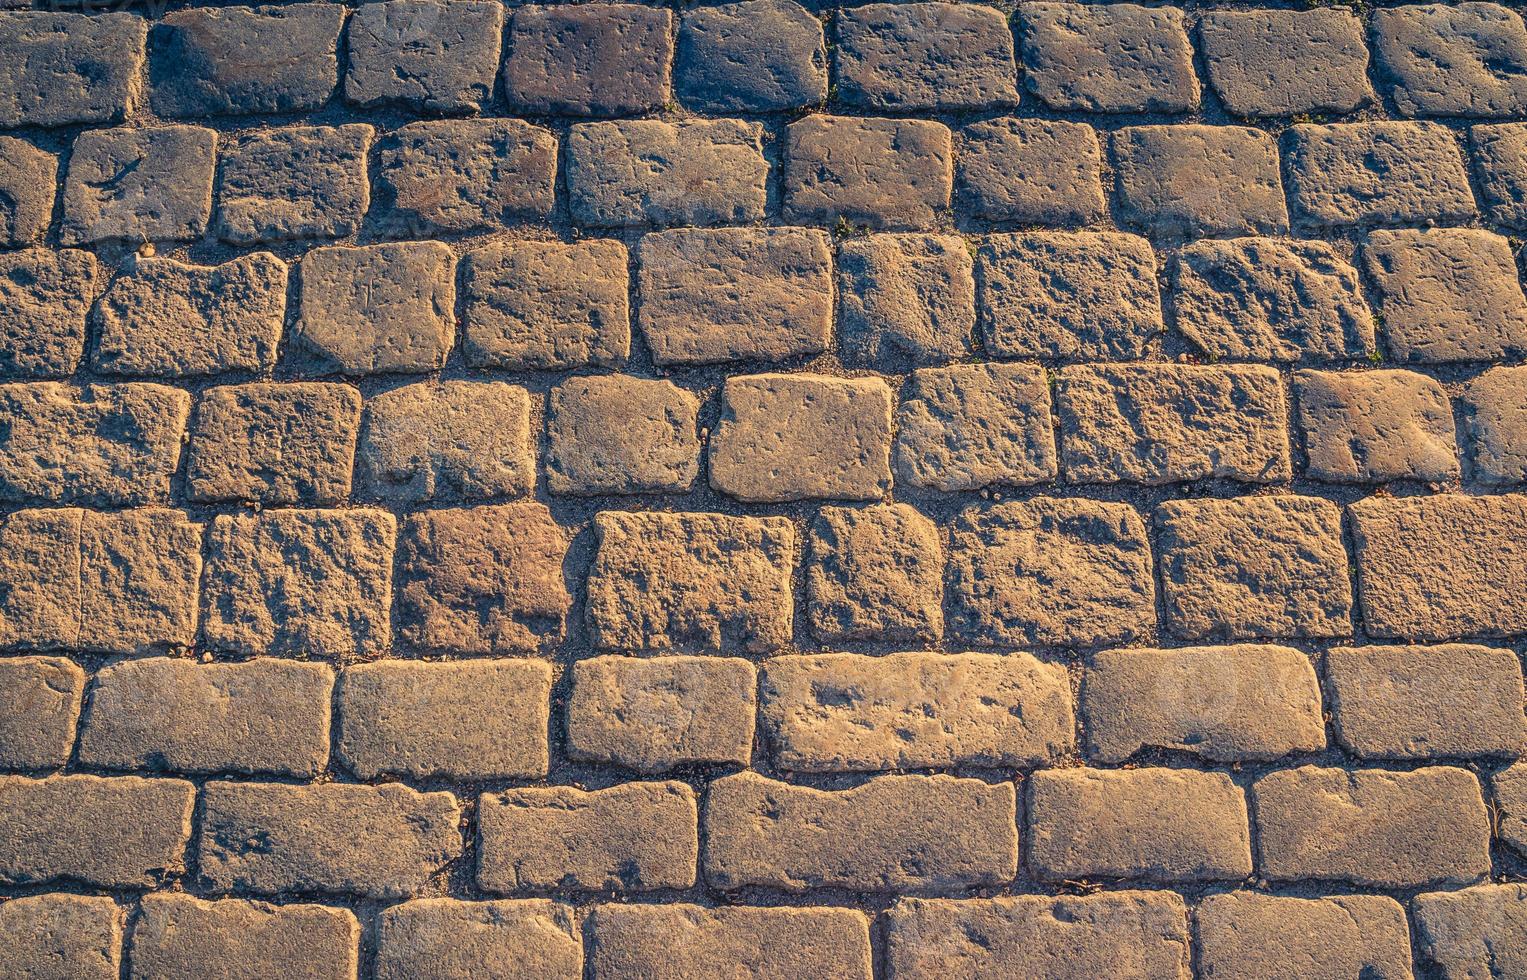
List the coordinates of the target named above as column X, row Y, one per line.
column 1277, row 63
column 1108, row 57
column 61, row 69
column 595, row 59
column 1247, row 934
column 1495, row 417
column 1500, row 161
column 274, row 444
column 754, row 56
column 62, row 937
column 504, row 940
column 874, row 574
column 879, row 173
column 44, row 297
column 1473, row 932
column 925, row 56
column 152, row 183
column 975, row 425
column 1376, row 173
column 178, row 937
column 293, row 183
column 1199, row 181
column 1035, row 171
column 42, row 705
column 458, row 175
column 619, row 434
column 1375, row 426
column 426, row 55
column 905, row 300
column 1463, row 60
column 27, row 180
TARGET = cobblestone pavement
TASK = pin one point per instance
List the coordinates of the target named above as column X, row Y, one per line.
column 912, row 490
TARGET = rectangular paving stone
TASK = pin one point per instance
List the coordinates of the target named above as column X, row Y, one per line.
column 453, row 940
column 74, row 828
column 1438, row 568
column 925, row 56
column 644, row 172
column 287, row 443
column 1246, row 933
column 1238, row 703
column 77, row 937
column 597, row 59
column 891, row 834
column 149, row 183
column 1065, row 295
column 40, row 558
column 1117, row 57
column 618, row 434
column 1464, row 60
column 1372, row 827
column 44, row 297
column 42, row 704
column 482, row 579
column 975, row 425
column 374, row 841
column 629, row 838
column 1156, row 825
column 60, row 69
column 1376, row 173
column 27, row 180
column 1495, row 418
column 714, row 295
column 295, row 182
column 875, row 574
column 1472, row 932
column 811, row 943
column 1199, row 181
column 1279, row 63
column 260, row 716
column 1375, row 426
column 786, row 437
column 1252, row 567
column 465, row 720
column 656, row 714
column 164, row 318
column 1172, row 423
column 1050, row 571
column 1036, row 171
column 878, row 173
column 300, row 583
column 1451, row 701
column 234, row 61
column 431, row 441
column 424, row 55
column 691, row 582
column 753, row 56
column 178, row 937
column 1500, row 164
column 905, row 300
column 850, row 713
column 1124, row 933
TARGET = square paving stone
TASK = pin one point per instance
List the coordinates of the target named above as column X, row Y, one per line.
column 1277, row 63
column 874, row 574
column 429, row 55
column 44, row 298
column 754, row 56
column 1034, row 171
column 1375, row 426
column 879, row 173
column 925, row 56
column 139, row 185
column 27, row 180
column 293, row 183
column 61, row 935
column 1199, row 181
column 1495, row 405
column 1473, row 931
column 904, row 300
column 62, row 69
column 975, row 425
column 1463, row 60
column 1376, row 173
column 595, row 59
column 618, row 434
column 1118, row 57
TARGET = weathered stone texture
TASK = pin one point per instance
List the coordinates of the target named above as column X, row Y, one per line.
column 1199, row 181
column 1375, row 426
column 44, row 296
column 502, row 940
column 428, row 55
column 594, row 59
column 1272, row 63
column 879, row 173
column 1463, row 60
column 468, row 439
column 1376, row 173
column 1037, row 171
column 152, row 183
column 925, row 56
column 290, row 443
column 60, row 69
column 1249, row 934
column 905, row 299
column 621, row 435
column 1473, row 933
column 754, row 56
column 1496, row 421
column 27, row 180
column 1510, row 819
column 42, row 704
column 293, row 183
column 1108, row 57
column 62, row 937
column 975, row 425
column 1500, row 161
column 464, row 174
column 875, row 574
column 178, row 937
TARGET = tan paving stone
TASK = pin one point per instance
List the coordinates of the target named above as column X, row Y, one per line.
column 529, row 939
column 878, row 173
column 1375, row 426
column 975, row 425
column 42, row 697
column 1473, row 932
column 1246, row 933
column 905, row 300
column 178, row 937
column 874, row 574
column 618, row 434
column 67, row 937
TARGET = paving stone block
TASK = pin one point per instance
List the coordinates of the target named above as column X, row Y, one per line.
column 1108, row 58
column 1376, row 173
column 1447, row 295
column 546, row 305
column 377, row 309
column 925, row 56
column 40, row 556
column 1473, row 932
column 653, row 715
column 60, row 69
column 293, row 183
column 1249, row 934
column 44, row 296
column 851, row 713
column 879, row 173
column 644, row 172
column 42, row 704
column 27, row 179
column 1171, row 423
column 234, row 61
column 1278, row 63
column 618, row 434
column 300, row 583
column 430, row 441
column 465, row 720
column 811, row 943
column 1199, row 181
column 123, row 832
column 1438, row 568
column 68, row 937
column 106, row 445
column 1254, row 567
column 789, row 437
column 1050, row 571
column 714, row 295
column 260, row 716
column 373, row 841
column 629, row 838
column 458, row 175
column 875, row 574
column 178, row 937
column 424, row 55
column 1267, row 299
column 483, row 579
column 152, row 183
column 1238, row 703
column 1067, row 938
column 288, row 443
column 691, row 582
column 1510, row 818
column 975, row 425
column 1156, row 825
column 1372, row 827
column 1063, row 295
column 164, row 318
column 1495, row 414
column 1375, row 426
column 891, row 834
column 1035, row 171
column 1500, row 163
column 1411, row 702
column 595, row 59
column 1464, row 60
column 754, row 56
column 503, row 940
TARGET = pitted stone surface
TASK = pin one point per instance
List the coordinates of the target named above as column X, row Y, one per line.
column 27, row 179
column 753, row 56
column 61, row 936
column 293, row 183
column 877, row 173
column 1374, row 426
column 464, row 175
column 44, row 297
column 1199, row 181
column 597, row 59
column 179, row 937
column 905, row 300
column 1108, row 57
column 1031, row 170
column 1463, row 60
column 501, row 940
column 690, row 940
column 1473, row 932
column 44, row 696
column 139, row 185
column 975, row 425
column 921, row 56
column 60, row 69
column 468, row 439
column 1345, row 935
column 1496, row 419
column 1376, row 173
column 1500, row 161
column 621, row 435
column 874, row 573
column 424, row 54
column 1263, row 63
